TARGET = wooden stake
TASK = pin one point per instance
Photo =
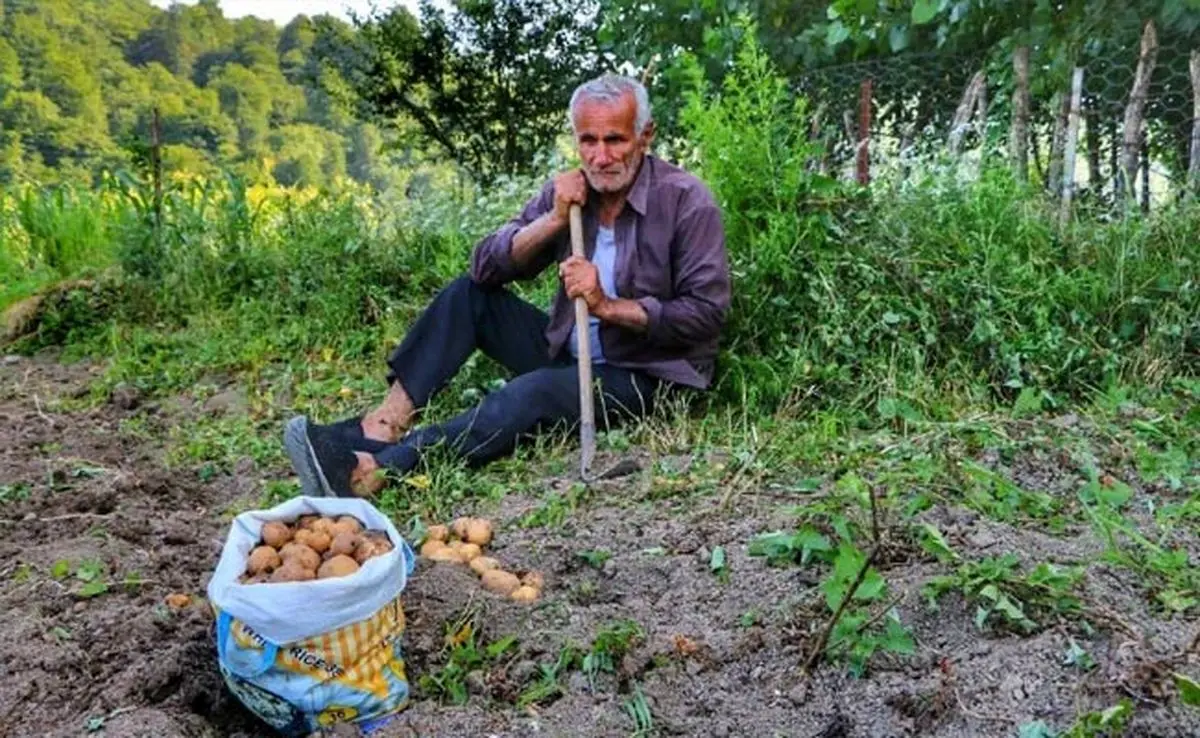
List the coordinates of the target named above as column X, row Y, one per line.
column 1194, row 159
column 863, row 162
column 1068, row 182
column 1018, row 140
column 1136, row 107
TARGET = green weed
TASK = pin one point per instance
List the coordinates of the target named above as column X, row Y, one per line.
column 1006, row 598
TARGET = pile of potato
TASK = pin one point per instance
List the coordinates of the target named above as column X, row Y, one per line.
column 313, row 547
column 462, row 542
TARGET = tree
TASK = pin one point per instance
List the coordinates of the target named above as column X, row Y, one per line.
column 486, row 82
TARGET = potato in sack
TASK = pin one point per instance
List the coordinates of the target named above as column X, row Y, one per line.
column 304, row 642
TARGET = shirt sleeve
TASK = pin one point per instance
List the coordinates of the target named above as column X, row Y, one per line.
column 491, row 259
column 697, row 311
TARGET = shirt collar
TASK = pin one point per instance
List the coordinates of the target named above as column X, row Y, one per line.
column 641, row 186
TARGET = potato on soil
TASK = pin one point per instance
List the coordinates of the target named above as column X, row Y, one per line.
column 469, row 551
column 479, row 531
column 428, row 547
column 292, row 572
column 345, row 544
column 524, row 594
column 304, row 556
column 275, row 534
column 499, row 581
column 445, row 553
column 263, row 559
column 533, row 579
column 437, row 533
column 338, row 566
column 459, row 528
column 483, row 563
column 178, row 601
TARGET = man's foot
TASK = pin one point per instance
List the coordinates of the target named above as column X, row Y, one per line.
column 391, row 419
column 328, row 466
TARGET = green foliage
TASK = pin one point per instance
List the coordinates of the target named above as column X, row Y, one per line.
column 1008, row 599
column 463, row 656
column 609, row 646
column 79, row 82
column 485, row 82
column 895, row 299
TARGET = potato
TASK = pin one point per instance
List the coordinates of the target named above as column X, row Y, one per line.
column 345, row 543
column 178, row 601
column 263, row 559
column 338, row 566
column 275, row 534
column 292, row 571
column 437, row 533
column 533, row 579
column 304, row 556
column 445, row 553
column 479, row 531
column 323, row 525
column 469, row 551
column 366, row 550
column 306, row 521
column 383, row 546
column 524, row 594
column 459, row 528
column 317, row 541
column 499, row 581
column 483, row 563
column 350, row 523
column 428, row 547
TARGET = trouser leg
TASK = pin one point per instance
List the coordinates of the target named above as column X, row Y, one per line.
column 531, row 402
column 464, row 317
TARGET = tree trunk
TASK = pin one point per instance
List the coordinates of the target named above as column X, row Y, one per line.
column 1135, row 109
column 1194, row 159
column 1018, row 138
column 1062, row 108
column 1068, row 183
column 962, row 115
column 1114, row 164
column 1145, row 172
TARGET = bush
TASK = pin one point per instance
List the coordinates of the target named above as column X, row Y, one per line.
column 932, row 285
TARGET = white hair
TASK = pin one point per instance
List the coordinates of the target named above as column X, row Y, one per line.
column 611, row 88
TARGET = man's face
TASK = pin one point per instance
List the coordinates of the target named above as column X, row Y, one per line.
column 609, row 146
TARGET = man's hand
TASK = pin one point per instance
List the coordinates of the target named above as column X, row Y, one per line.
column 581, row 278
column 569, row 188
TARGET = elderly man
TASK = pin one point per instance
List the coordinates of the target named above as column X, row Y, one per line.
column 656, row 282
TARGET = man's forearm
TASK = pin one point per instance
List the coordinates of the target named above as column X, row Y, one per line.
column 625, row 313
column 532, row 238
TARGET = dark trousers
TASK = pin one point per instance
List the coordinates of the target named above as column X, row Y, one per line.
column 545, row 391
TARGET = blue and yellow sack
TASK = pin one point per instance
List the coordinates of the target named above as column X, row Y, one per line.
column 305, row 655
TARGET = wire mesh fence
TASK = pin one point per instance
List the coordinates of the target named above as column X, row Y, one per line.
column 1130, row 132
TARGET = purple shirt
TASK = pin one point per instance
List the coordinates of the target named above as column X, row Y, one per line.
column 670, row 258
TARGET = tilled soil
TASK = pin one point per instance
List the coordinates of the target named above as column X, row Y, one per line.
column 84, row 502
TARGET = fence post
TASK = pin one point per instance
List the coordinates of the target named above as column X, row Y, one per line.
column 864, row 133
column 1136, row 107
column 156, row 163
column 1068, row 183
column 1018, row 142
column 1194, row 159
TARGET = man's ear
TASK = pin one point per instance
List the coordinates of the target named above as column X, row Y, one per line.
column 648, row 134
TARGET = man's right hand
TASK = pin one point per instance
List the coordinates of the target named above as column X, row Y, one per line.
column 569, row 188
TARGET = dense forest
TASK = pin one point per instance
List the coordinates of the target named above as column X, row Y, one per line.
column 79, row 80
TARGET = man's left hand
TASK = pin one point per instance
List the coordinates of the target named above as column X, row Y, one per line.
column 581, row 278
